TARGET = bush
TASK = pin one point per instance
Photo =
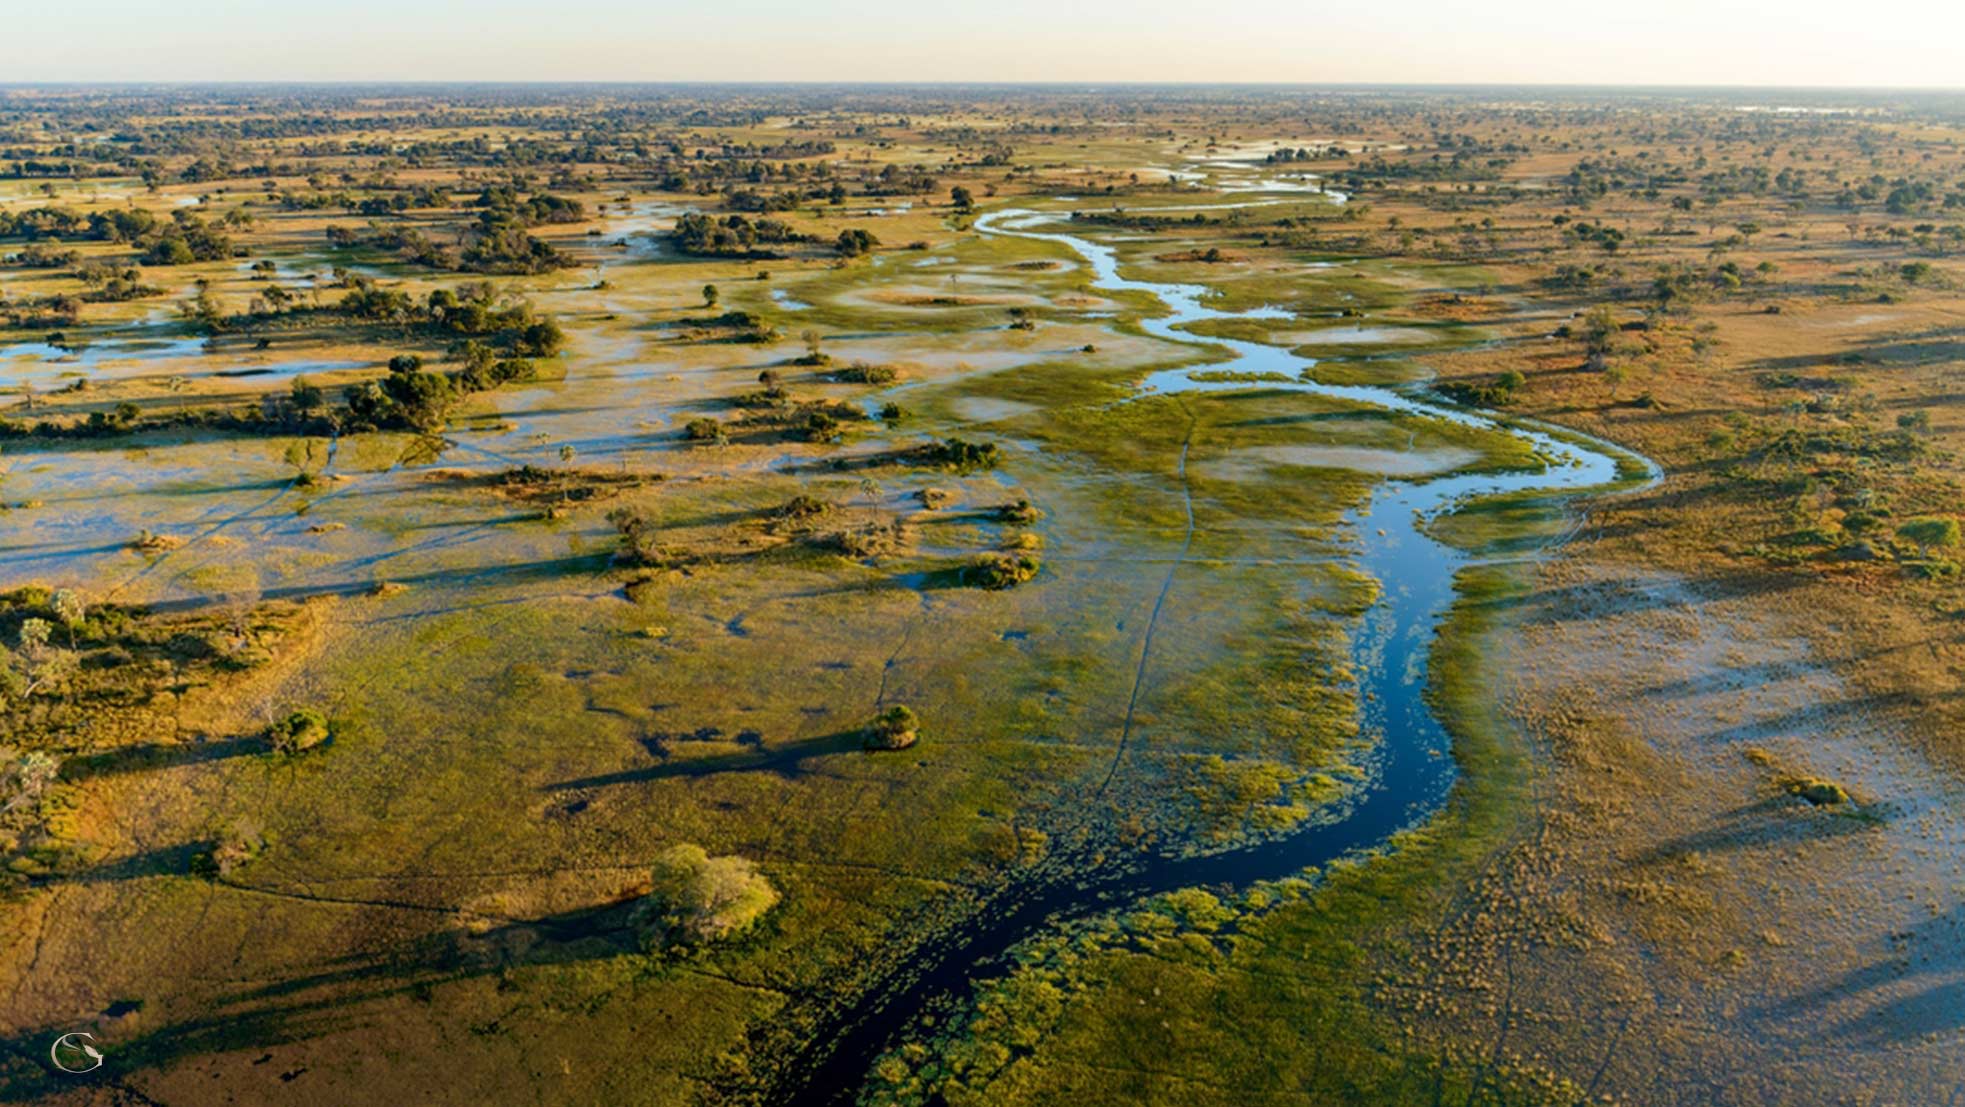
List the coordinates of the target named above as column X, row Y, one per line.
column 997, row 571
column 803, row 506
column 696, row 898
column 241, row 843
column 870, row 540
column 1021, row 511
column 302, row 730
column 1821, row 793
column 819, row 426
column 703, row 430
column 862, row 373
column 896, row 728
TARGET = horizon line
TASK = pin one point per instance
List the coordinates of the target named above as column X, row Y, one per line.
column 287, row 82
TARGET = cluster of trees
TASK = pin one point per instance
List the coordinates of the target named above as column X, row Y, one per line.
column 503, row 204
column 736, row 236
column 1681, row 283
column 1122, row 218
column 60, row 310
column 188, row 239
column 1286, row 155
column 411, row 397
column 498, row 242
column 120, row 225
column 110, row 282
column 1499, row 392
column 732, row 236
column 41, row 255
column 503, row 248
column 751, row 200
column 184, row 238
column 395, row 202
column 1605, row 237
column 897, row 180
column 1460, row 166
column 471, row 311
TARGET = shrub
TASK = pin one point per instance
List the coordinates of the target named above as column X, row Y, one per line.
column 696, row 898
column 896, row 728
column 803, row 506
column 1821, row 793
column 302, row 730
column 1020, row 511
column 870, row 540
column 997, row 571
column 703, row 430
column 240, row 843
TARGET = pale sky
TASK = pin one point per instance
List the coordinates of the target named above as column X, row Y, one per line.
column 1732, row 42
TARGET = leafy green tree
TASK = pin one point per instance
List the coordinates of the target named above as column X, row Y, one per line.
column 422, row 398
column 1929, row 531
column 24, row 778
column 72, row 609
column 38, row 664
column 695, row 898
column 709, row 295
column 855, row 241
column 1599, row 325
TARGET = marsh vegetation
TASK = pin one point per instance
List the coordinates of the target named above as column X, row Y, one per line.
column 812, row 595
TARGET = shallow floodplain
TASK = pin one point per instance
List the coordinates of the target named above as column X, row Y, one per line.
column 523, row 720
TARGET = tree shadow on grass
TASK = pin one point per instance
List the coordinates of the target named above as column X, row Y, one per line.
column 163, row 861
column 786, row 761
column 510, row 573
column 158, row 756
column 1776, row 822
column 1928, row 951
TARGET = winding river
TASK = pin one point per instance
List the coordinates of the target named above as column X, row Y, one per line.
column 1410, row 774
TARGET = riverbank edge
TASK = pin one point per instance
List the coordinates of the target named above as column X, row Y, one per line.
column 1354, row 921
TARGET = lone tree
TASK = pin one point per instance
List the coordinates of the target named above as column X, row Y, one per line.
column 37, row 664
column 695, row 898
column 964, row 200
column 709, row 295
column 71, row 610
column 1933, row 530
column 854, row 241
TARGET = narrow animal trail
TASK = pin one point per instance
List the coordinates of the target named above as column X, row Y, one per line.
column 1153, row 620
